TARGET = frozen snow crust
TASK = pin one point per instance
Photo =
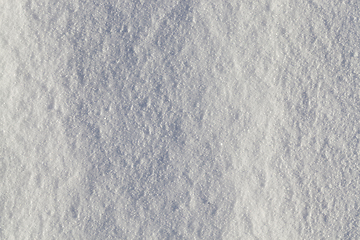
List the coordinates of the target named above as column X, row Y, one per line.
column 185, row 119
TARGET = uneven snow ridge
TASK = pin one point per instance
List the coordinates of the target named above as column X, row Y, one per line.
column 179, row 119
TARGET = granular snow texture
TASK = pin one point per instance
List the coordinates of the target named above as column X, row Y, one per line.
column 179, row 119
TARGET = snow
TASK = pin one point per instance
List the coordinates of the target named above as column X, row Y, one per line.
column 179, row 119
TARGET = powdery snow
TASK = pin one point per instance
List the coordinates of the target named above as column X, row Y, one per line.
column 179, row 119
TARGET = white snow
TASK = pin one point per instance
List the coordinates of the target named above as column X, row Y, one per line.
column 179, row 119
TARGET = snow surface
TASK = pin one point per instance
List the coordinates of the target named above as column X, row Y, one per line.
column 179, row 119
